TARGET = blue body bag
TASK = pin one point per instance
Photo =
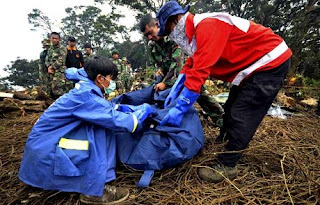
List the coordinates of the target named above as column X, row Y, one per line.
column 156, row 147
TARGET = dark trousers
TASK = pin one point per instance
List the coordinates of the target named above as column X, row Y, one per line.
column 245, row 108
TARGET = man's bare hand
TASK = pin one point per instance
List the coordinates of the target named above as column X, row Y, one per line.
column 50, row 70
column 160, row 87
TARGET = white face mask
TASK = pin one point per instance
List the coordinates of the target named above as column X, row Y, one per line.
column 179, row 36
column 110, row 88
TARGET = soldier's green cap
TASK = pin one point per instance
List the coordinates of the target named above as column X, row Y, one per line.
column 115, row 52
column 124, row 59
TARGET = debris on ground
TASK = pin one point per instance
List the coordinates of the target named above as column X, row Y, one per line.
column 309, row 102
column 221, row 98
column 281, row 166
column 34, row 100
column 6, row 95
column 284, row 100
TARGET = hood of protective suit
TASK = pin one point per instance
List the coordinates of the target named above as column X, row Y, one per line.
column 75, row 74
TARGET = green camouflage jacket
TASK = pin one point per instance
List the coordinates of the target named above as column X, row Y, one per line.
column 118, row 63
column 167, row 56
column 126, row 69
column 87, row 56
column 56, row 57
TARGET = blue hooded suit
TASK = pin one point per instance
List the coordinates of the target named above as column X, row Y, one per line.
column 72, row 146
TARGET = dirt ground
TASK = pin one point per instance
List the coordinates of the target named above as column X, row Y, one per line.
column 281, row 166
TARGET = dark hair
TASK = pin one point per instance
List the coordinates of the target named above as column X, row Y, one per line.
column 55, row 33
column 71, row 39
column 146, row 20
column 100, row 65
column 87, row 45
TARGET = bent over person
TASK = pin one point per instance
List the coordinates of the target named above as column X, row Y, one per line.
column 248, row 55
column 166, row 56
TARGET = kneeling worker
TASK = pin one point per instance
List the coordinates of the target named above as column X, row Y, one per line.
column 72, row 147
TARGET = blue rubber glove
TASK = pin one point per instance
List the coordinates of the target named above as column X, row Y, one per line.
column 127, row 108
column 141, row 114
column 184, row 102
column 176, row 88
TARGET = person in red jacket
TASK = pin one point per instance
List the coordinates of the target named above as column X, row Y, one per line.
column 248, row 55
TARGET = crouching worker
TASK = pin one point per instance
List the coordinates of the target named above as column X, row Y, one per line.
column 71, row 147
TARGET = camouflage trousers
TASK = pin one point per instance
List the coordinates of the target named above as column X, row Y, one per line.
column 211, row 108
column 59, row 84
column 44, row 83
column 120, row 87
column 126, row 80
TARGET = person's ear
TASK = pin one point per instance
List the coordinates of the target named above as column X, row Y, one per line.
column 156, row 24
column 176, row 20
column 99, row 78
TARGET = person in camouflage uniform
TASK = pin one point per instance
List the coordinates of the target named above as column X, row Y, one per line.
column 43, row 70
column 55, row 62
column 115, row 59
column 88, row 52
column 167, row 58
column 126, row 74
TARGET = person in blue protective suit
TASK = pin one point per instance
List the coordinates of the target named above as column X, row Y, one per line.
column 72, row 146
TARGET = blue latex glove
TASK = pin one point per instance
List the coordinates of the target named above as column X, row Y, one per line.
column 145, row 110
column 176, row 88
column 184, row 102
column 127, row 108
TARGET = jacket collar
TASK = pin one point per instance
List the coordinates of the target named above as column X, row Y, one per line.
column 71, row 48
column 57, row 46
column 189, row 27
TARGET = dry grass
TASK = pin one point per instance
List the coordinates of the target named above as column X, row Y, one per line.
column 281, row 166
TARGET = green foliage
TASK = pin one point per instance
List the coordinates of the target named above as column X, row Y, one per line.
column 4, row 85
column 297, row 21
column 312, row 82
column 88, row 24
column 39, row 20
column 134, row 51
column 22, row 73
column 146, row 6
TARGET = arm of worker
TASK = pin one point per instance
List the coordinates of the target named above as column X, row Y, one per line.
column 127, row 108
column 175, row 67
column 178, row 85
column 187, row 65
column 209, row 50
column 100, row 112
column 152, row 59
